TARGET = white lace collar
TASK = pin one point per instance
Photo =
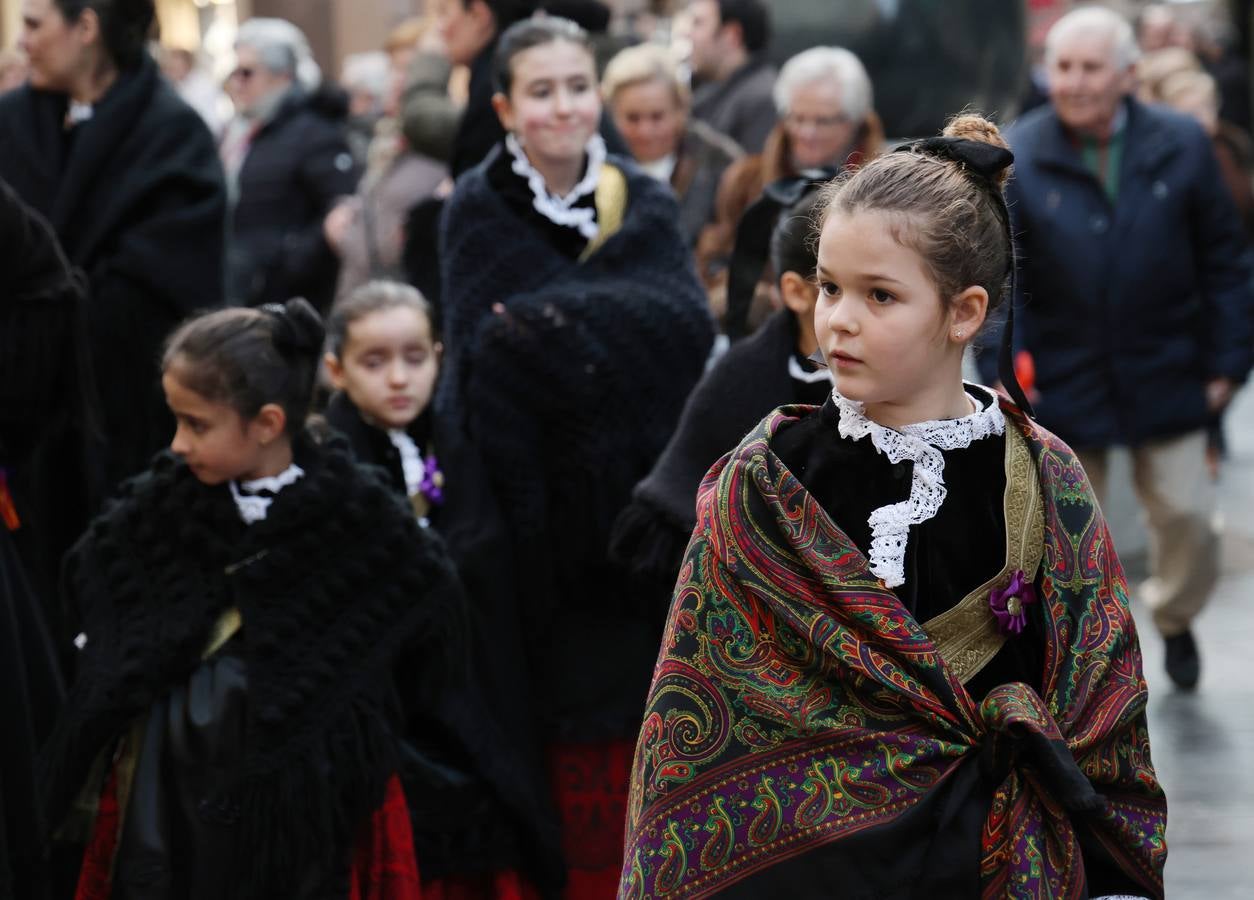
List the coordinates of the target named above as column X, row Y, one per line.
column 922, row 444
column 253, row 505
column 797, row 372
column 562, row 210
column 411, row 460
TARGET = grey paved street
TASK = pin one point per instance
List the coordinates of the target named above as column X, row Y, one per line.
column 1203, row 743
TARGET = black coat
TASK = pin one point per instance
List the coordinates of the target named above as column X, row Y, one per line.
column 45, row 402
column 137, row 198
column 297, row 166
column 30, row 694
column 1132, row 307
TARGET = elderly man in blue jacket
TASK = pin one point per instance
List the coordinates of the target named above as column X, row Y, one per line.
column 1136, row 298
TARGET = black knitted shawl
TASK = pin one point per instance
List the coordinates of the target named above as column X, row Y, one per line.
column 332, row 585
column 573, row 392
column 745, row 384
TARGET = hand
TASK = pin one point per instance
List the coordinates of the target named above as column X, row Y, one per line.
column 335, row 226
column 1219, row 393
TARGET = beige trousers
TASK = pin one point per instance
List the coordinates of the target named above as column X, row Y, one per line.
column 1177, row 500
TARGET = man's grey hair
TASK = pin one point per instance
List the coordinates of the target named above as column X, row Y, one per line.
column 282, row 49
column 1089, row 19
column 826, row 64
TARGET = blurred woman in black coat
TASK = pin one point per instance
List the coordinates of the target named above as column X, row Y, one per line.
column 42, row 407
column 288, row 163
column 127, row 174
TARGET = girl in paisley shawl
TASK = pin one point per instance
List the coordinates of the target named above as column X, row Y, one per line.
column 900, row 661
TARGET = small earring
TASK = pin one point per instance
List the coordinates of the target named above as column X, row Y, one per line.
column 958, row 334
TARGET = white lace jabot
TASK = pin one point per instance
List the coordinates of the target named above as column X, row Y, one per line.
column 562, row 210
column 922, row 444
column 411, row 460
column 254, row 505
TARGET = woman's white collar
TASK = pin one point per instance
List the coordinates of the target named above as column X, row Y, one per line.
column 562, row 210
column 922, row 444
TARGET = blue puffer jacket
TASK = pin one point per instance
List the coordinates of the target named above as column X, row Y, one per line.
column 1128, row 309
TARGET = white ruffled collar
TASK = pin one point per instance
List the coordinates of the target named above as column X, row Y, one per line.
column 562, row 210
column 797, row 371
column 922, row 444
column 253, row 505
column 411, row 460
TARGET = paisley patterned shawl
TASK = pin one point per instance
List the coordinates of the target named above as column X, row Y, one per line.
column 796, row 702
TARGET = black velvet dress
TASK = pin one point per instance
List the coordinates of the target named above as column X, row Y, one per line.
column 949, row 555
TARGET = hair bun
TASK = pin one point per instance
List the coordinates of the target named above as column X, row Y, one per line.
column 977, row 128
column 298, row 327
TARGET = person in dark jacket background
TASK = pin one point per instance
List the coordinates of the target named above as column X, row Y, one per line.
column 44, row 396
column 288, row 162
column 1136, row 277
column 735, row 81
column 126, row 172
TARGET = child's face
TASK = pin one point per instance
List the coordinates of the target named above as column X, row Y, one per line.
column 553, row 105
column 388, row 366
column 879, row 317
column 215, row 441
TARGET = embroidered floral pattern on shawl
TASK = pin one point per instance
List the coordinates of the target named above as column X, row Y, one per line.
column 796, row 702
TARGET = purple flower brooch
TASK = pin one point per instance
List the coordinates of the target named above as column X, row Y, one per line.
column 432, row 486
column 1009, row 604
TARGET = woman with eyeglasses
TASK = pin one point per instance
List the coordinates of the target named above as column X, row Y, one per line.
column 287, row 163
column 127, row 174
column 827, row 121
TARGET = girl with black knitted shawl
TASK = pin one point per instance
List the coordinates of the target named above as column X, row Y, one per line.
column 574, row 327
column 769, row 369
column 383, row 358
column 234, row 724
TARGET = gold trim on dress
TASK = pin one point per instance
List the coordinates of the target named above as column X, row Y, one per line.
column 611, row 204
column 967, row 636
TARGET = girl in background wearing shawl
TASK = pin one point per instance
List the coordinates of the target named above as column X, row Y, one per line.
column 233, row 728
column 900, row 661
column 573, row 328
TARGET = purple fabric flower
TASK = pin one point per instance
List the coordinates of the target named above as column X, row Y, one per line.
column 1009, row 604
column 432, row 486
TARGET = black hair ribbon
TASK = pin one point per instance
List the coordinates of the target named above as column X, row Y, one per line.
column 987, row 161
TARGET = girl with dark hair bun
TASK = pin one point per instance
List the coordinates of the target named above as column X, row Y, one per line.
column 900, row 657
column 573, row 328
column 234, row 724
column 128, row 175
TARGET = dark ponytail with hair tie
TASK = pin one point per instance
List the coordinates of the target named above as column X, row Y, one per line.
column 298, row 328
column 247, row 358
